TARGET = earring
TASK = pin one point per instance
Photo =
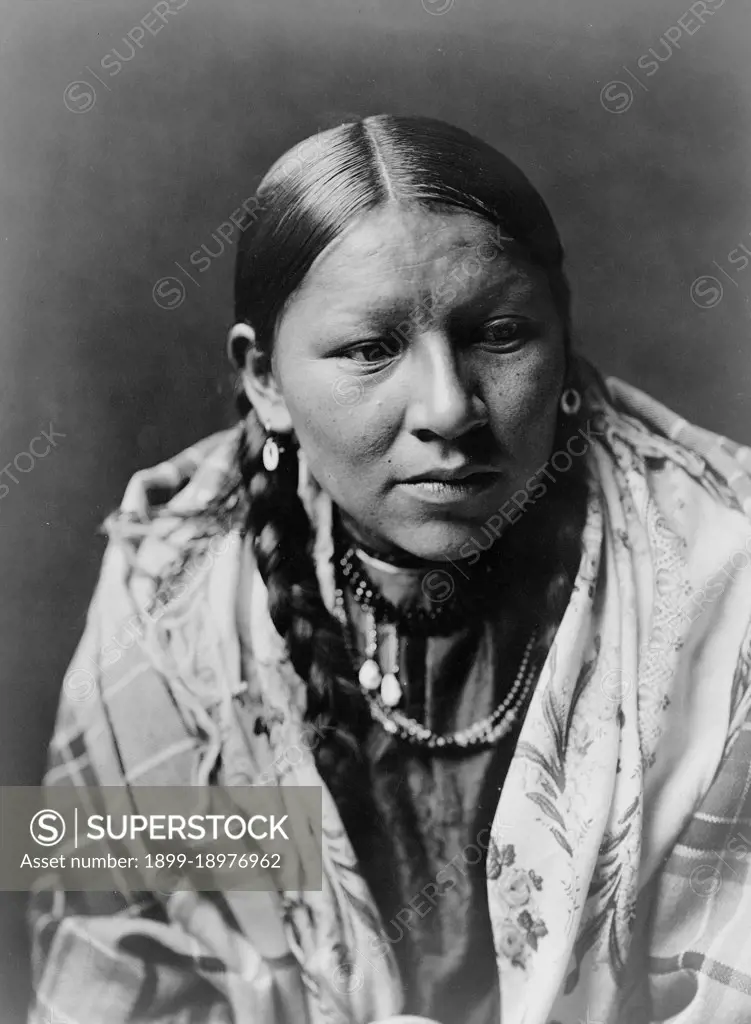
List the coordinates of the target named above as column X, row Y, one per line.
column 272, row 452
column 270, row 455
column 571, row 401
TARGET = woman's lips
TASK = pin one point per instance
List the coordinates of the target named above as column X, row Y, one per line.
column 443, row 492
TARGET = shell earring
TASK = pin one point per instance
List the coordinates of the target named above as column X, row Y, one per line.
column 571, row 401
column 272, row 452
column 270, row 455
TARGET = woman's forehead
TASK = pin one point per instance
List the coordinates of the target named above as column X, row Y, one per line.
column 403, row 237
column 395, row 256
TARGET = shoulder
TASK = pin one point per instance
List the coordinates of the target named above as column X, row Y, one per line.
column 694, row 491
column 699, row 481
column 173, row 512
column 690, row 487
column 167, row 582
column 176, row 532
column 188, row 480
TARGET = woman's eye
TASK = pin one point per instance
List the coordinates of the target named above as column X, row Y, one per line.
column 506, row 333
column 370, row 353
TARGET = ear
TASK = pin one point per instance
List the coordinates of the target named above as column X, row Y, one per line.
column 258, row 379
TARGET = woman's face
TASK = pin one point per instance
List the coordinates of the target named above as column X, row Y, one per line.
column 421, row 368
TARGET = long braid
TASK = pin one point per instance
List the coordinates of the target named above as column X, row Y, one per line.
column 282, row 539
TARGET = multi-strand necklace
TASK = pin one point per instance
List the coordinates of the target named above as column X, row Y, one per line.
column 383, row 690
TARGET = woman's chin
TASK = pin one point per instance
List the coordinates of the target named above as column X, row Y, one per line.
column 452, row 543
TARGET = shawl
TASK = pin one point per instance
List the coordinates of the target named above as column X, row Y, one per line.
column 616, row 865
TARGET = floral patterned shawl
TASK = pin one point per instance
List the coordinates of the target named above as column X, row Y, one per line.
column 616, row 883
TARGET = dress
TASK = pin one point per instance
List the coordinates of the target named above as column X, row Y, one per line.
column 436, row 811
column 425, row 856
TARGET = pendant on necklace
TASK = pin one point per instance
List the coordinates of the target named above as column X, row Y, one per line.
column 369, row 675
column 391, row 691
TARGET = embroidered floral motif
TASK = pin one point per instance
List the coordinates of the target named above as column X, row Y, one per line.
column 516, row 888
column 520, row 925
column 613, row 912
column 511, row 943
column 552, row 771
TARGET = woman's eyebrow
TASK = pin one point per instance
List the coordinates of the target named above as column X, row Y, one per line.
column 397, row 316
column 364, row 324
column 515, row 287
column 386, row 318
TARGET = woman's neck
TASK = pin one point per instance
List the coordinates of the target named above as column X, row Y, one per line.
column 406, row 580
column 382, row 550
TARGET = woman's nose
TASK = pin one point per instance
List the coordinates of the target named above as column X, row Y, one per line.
column 443, row 401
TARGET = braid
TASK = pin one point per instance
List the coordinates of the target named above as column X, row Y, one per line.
column 282, row 539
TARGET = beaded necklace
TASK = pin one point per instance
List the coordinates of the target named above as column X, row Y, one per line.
column 437, row 620
column 384, row 693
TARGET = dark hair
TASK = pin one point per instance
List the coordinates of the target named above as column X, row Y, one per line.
column 313, row 192
column 304, row 202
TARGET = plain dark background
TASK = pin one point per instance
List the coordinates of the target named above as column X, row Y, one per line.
column 97, row 206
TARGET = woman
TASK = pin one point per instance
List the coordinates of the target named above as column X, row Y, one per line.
column 495, row 606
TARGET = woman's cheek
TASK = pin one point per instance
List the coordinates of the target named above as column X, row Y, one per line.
column 353, row 437
column 344, row 448
column 535, row 434
column 525, row 407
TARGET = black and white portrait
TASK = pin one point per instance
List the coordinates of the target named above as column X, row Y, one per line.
column 376, row 497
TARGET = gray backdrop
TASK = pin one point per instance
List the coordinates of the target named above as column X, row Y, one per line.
column 120, row 159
